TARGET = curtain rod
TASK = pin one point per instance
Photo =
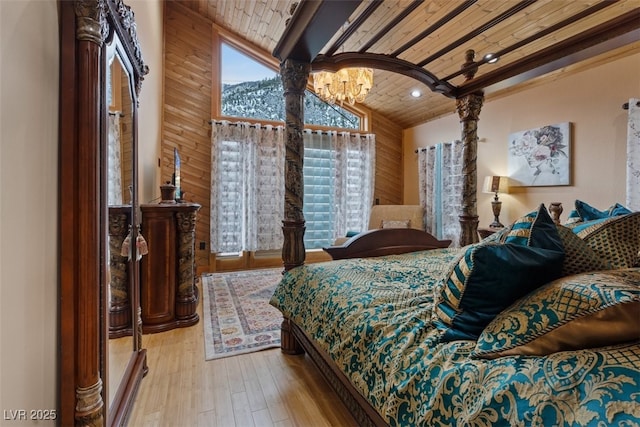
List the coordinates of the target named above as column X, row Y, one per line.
column 625, row 106
column 324, row 132
column 423, row 149
column 218, row 122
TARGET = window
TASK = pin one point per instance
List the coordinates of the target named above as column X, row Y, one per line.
column 247, row 195
column 337, row 193
column 319, row 181
column 338, row 186
column 254, row 91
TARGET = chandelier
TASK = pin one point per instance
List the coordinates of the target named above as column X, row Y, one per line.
column 348, row 84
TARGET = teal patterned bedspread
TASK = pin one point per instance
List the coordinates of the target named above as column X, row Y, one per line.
column 373, row 317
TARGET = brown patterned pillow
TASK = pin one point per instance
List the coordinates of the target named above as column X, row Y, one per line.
column 616, row 239
column 583, row 311
column 579, row 257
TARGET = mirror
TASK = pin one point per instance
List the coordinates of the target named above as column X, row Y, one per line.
column 101, row 359
column 120, row 166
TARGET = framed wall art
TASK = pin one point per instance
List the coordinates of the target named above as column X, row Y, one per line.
column 541, row 156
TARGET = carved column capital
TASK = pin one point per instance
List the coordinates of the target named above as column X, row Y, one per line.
column 186, row 221
column 469, row 106
column 294, row 76
column 91, row 21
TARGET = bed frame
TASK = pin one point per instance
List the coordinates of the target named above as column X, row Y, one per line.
column 364, row 414
column 295, row 51
column 386, row 241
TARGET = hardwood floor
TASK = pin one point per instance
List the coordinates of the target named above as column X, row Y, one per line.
column 264, row 388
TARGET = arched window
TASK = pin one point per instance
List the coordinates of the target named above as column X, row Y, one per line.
column 252, row 90
column 337, row 193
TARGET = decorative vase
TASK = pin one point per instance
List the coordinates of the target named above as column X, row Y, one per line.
column 168, row 193
column 555, row 208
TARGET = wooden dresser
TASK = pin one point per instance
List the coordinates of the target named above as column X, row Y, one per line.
column 168, row 295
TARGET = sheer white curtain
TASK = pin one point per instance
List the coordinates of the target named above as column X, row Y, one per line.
column 633, row 155
column 247, row 188
column 114, row 168
column 352, row 158
column 440, row 187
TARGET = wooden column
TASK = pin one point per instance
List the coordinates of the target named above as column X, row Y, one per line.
column 187, row 292
column 91, row 27
column 294, row 78
column 469, row 110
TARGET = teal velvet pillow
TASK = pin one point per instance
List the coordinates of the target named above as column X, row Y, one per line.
column 588, row 212
column 571, row 313
column 490, row 276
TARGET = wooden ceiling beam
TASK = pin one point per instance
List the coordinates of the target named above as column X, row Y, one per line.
column 502, row 17
column 353, row 27
column 383, row 62
column 312, row 25
column 395, row 21
column 551, row 29
column 618, row 32
column 435, row 26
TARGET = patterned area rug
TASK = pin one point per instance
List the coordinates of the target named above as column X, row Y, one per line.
column 237, row 316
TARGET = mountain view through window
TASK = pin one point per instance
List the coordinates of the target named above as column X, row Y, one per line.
column 251, row 90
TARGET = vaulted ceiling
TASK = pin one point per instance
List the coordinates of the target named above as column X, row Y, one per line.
column 422, row 44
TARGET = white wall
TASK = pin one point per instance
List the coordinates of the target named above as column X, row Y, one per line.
column 591, row 100
column 149, row 22
column 29, row 58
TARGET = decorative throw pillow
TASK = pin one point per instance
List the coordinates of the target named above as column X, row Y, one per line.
column 395, row 223
column 490, row 276
column 578, row 256
column 588, row 212
column 577, row 312
column 573, row 217
column 615, row 239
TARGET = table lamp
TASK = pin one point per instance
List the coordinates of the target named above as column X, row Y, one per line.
column 495, row 185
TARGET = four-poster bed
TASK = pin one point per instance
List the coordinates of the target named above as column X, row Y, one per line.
column 366, row 387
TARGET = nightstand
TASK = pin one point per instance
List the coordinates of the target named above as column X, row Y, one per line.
column 487, row 231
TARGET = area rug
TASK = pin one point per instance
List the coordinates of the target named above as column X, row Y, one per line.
column 236, row 312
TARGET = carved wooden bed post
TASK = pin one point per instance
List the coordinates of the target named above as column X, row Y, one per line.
column 294, row 79
column 469, row 110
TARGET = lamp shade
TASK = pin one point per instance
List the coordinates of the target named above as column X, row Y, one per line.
column 496, row 184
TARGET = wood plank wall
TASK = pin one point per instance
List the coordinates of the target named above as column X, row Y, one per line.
column 187, row 111
column 388, row 186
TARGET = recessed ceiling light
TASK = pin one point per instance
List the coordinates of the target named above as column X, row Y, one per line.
column 491, row 58
column 416, row 93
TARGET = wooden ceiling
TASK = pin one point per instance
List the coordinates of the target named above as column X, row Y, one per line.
column 418, row 44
